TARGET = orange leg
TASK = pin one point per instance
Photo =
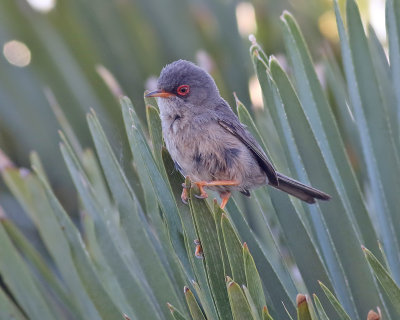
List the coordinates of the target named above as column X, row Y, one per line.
column 202, row 184
column 184, row 195
column 224, row 197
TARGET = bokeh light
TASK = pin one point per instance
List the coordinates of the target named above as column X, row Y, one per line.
column 42, row 5
column 17, row 53
column 377, row 18
column 327, row 26
column 204, row 60
column 255, row 93
column 246, row 18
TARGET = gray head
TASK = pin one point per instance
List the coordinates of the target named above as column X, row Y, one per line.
column 186, row 83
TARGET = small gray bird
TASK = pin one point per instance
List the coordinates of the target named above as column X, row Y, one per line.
column 207, row 141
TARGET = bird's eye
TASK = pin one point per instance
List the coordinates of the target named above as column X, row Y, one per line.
column 183, row 90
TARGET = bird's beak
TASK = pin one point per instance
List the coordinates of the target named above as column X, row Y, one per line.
column 159, row 93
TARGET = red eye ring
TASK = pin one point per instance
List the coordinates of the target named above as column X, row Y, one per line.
column 183, row 90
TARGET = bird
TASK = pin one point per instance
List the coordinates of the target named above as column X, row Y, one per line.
column 209, row 144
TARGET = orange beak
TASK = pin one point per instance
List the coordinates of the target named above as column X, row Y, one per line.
column 159, row 93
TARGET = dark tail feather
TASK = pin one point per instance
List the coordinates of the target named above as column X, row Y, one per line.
column 299, row 190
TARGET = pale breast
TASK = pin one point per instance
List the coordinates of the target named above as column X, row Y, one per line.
column 206, row 152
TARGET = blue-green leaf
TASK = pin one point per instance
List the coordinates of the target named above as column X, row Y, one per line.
column 377, row 142
column 163, row 191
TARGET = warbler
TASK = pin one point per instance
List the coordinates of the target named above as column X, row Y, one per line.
column 209, row 144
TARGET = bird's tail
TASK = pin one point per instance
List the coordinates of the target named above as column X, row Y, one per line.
column 299, row 190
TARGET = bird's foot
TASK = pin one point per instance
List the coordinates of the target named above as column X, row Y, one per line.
column 184, row 194
column 185, row 188
column 224, row 195
column 199, row 250
column 203, row 194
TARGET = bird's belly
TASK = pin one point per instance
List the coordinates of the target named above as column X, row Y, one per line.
column 188, row 151
column 204, row 155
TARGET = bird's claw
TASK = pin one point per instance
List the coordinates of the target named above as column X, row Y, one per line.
column 201, row 195
column 184, row 195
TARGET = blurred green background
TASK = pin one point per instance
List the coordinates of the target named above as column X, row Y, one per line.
column 61, row 44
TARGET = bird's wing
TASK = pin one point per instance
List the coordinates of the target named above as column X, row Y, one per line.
column 235, row 128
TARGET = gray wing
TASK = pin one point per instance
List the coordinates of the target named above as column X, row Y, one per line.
column 236, row 128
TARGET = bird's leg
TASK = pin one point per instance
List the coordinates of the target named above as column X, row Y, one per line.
column 184, row 194
column 224, row 197
column 202, row 194
column 202, row 184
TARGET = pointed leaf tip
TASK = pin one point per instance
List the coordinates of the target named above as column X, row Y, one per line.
column 125, row 100
column 285, row 14
column 170, row 307
column 236, row 97
column 109, row 80
column 272, row 59
column 187, row 182
column 301, row 298
column 245, row 246
column 185, row 289
column 126, row 317
column 265, row 314
column 252, row 39
column 372, row 315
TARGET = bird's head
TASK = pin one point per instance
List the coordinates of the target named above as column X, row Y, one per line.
column 186, row 85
